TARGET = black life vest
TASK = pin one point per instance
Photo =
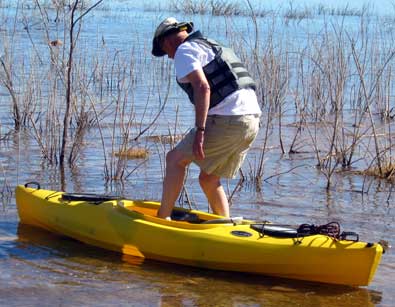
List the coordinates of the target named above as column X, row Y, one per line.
column 225, row 73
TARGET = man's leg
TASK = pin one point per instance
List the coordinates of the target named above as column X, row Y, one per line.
column 176, row 165
column 215, row 193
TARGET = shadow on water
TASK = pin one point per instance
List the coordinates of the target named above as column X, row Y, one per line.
column 59, row 270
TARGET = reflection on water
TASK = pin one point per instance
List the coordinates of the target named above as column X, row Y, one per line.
column 59, row 271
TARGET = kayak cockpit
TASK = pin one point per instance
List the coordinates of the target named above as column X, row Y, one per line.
column 180, row 217
column 147, row 210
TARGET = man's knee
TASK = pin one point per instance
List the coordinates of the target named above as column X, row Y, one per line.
column 175, row 158
column 207, row 180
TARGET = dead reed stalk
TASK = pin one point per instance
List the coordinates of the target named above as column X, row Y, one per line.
column 7, row 81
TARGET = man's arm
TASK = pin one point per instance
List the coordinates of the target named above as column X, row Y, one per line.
column 201, row 92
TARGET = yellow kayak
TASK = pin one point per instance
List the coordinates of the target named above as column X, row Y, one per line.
column 199, row 239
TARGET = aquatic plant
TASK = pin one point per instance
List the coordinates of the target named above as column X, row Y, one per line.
column 213, row 7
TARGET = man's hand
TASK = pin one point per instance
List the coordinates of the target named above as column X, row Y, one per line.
column 198, row 151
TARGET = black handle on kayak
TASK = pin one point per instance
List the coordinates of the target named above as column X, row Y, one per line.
column 31, row 183
column 349, row 236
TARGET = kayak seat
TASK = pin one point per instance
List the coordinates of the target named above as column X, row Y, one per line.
column 176, row 214
column 185, row 216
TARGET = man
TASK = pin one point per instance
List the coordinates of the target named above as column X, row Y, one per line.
column 226, row 113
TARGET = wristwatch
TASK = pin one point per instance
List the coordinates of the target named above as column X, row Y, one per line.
column 200, row 129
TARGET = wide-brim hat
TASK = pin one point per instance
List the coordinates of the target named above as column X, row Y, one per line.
column 166, row 27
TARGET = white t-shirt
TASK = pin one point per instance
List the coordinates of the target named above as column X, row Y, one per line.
column 191, row 56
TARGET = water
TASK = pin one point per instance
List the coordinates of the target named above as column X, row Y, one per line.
column 43, row 269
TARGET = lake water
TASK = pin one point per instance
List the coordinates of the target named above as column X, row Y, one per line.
column 42, row 269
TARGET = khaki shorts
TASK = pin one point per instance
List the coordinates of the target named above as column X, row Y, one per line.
column 226, row 142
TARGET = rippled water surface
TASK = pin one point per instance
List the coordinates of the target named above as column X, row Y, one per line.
column 38, row 268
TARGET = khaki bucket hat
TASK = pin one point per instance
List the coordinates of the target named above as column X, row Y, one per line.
column 166, row 27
